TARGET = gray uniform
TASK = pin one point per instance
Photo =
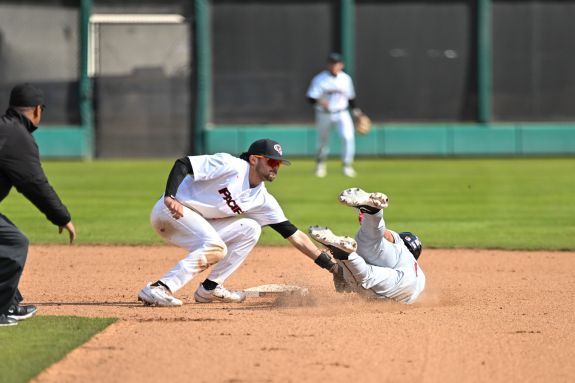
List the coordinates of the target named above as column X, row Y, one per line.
column 381, row 269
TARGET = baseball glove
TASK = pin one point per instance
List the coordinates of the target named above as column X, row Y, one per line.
column 362, row 123
column 339, row 282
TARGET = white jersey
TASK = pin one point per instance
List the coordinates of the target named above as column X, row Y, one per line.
column 220, row 188
column 337, row 90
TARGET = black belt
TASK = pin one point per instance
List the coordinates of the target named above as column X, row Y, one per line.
column 332, row 112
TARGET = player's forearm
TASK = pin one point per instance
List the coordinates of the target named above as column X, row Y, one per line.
column 321, row 258
column 324, row 104
column 45, row 198
column 304, row 244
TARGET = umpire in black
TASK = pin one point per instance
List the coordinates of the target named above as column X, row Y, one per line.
column 20, row 167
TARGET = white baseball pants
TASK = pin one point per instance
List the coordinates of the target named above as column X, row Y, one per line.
column 343, row 123
column 372, row 269
column 225, row 242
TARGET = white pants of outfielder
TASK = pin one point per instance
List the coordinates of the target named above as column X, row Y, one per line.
column 380, row 268
column 224, row 242
column 344, row 124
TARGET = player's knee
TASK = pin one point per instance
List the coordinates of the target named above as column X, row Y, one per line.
column 215, row 252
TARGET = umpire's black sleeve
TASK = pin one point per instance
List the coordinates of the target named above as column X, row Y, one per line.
column 44, row 197
column 20, row 164
column 182, row 167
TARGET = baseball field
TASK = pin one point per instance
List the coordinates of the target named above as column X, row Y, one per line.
column 499, row 256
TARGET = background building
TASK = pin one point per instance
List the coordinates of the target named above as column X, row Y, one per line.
column 164, row 78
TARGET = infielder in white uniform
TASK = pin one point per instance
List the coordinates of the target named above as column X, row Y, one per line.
column 214, row 206
column 379, row 263
column 332, row 93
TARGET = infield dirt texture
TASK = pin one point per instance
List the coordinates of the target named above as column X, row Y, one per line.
column 485, row 316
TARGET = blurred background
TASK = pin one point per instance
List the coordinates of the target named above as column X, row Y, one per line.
column 164, row 78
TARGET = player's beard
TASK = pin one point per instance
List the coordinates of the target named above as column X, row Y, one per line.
column 266, row 173
column 270, row 175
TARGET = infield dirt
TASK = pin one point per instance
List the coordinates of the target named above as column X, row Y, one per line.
column 485, row 316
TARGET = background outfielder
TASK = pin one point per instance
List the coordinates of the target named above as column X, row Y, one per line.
column 379, row 263
column 332, row 93
column 214, row 206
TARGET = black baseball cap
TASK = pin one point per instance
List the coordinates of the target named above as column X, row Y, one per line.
column 26, row 95
column 334, row 58
column 268, row 148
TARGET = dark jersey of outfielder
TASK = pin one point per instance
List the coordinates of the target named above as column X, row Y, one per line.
column 219, row 187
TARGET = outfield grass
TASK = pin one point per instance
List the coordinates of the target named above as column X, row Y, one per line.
column 476, row 203
column 37, row 343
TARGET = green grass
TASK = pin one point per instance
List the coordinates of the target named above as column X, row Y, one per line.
column 480, row 203
column 37, row 343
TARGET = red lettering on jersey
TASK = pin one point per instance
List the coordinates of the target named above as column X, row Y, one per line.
column 229, row 201
column 415, row 267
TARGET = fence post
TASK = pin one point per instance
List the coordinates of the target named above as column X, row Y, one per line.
column 203, row 56
column 347, row 25
column 85, row 88
column 484, row 64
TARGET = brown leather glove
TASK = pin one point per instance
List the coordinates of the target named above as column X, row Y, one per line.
column 339, row 282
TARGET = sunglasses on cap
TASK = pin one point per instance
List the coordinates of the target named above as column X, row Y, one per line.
column 271, row 162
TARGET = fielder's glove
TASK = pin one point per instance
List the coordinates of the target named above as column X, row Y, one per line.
column 361, row 121
column 339, row 282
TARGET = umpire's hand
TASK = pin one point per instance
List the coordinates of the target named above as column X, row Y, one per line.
column 71, row 231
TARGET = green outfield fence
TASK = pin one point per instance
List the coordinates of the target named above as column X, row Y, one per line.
column 484, row 136
column 411, row 140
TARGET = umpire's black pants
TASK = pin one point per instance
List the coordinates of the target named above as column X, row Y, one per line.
column 13, row 253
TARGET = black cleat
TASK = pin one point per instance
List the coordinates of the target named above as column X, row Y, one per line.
column 21, row 312
column 5, row 321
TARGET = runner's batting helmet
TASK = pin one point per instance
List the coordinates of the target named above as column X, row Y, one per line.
column 412, row 243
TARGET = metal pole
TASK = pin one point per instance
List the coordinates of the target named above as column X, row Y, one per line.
column 347, row 25
column 484, row 64
column 85, row 89
column 203, row 57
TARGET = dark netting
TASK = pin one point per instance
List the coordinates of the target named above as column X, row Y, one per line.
column 265, row 54
column 141, row 86
column 416, row 60
column 533, row 60
column 39, row 44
